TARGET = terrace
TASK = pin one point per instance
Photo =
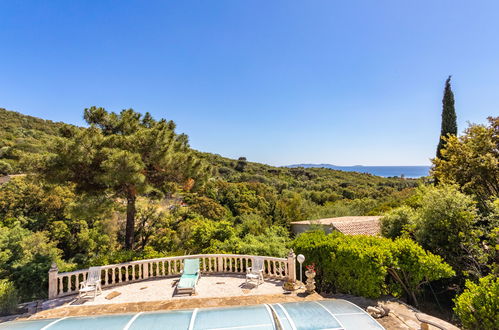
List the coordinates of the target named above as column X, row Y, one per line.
column 152, row 283
column 143, row 288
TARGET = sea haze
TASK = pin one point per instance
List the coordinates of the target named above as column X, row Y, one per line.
column 385, row 171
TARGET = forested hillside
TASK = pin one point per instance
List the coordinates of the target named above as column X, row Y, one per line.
column 85, row 188
column 130, row 187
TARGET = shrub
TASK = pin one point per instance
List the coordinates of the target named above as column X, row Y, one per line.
column 445, row 223
column 478, row 306
column 5, row 168
column 370, row 266
column 273, row 242
column 8, row 297
column 397, row 222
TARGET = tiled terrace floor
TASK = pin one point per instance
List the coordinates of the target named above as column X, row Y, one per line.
column 164, row 289
column 159, row 294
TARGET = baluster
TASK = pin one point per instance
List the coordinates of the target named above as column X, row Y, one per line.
column 163, row 267
column 77, row 282
column 169, row 267
column 105, row 276
column 65, row 277
column 230, row 264
column 126, row 273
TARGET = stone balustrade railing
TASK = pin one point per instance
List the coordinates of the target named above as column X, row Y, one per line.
column 68, row 283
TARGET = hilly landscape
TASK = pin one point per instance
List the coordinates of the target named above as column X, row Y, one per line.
column 129, row 187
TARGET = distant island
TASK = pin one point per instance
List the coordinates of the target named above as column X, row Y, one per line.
column 384, row 171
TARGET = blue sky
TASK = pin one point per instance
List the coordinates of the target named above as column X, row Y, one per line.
column 280, row 82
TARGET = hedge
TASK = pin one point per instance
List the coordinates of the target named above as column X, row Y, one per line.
column 370, row 266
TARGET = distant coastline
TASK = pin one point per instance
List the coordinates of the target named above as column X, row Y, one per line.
column 384, row 171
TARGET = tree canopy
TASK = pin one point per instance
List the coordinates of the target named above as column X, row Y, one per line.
column 126, row 154
column 472, row 161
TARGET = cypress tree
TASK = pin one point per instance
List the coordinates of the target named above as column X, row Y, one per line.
column 449, row 124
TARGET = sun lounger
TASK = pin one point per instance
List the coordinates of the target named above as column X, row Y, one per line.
column 190, row 276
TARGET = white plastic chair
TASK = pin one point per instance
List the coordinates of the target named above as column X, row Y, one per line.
column 92, row 283
column 255, row 272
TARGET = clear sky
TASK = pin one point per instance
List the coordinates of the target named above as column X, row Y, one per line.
column 280, row 82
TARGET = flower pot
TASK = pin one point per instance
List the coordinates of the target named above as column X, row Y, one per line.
column 310, row 274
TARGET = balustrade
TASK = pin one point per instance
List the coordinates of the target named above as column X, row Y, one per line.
column 67, row 283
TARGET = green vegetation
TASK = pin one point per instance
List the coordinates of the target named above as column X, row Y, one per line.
column 127, row 155
column 129, row 187
column 458, row 219
column 472, row 161
column 8, row 297
column 370, row 266
column 85, row 187
column 449, row 123
column 478, row 305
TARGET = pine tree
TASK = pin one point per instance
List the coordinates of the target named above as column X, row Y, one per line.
column 449, row 124
column 241, row 164
column 125, row 154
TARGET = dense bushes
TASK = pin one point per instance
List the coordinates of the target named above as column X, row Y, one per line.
column 478, row 305
column 447, row 222
column 370, row 266
column 25, row 258
column 397, row 222
column 8, row 297
column 245, row 210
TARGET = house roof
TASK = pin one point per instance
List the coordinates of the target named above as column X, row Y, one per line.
column 355, row 225
column 7, row 178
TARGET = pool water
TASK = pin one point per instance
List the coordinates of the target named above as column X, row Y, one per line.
column 310, row 315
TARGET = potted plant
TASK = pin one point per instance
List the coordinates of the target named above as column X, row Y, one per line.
column 310, row 272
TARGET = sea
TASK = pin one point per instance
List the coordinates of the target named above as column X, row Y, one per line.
column 384, row 171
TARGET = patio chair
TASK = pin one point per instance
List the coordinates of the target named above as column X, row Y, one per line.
column 92, row 283
column 255, row 272
column 190, row 276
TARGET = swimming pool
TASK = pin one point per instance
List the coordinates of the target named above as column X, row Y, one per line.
column 324, row 314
